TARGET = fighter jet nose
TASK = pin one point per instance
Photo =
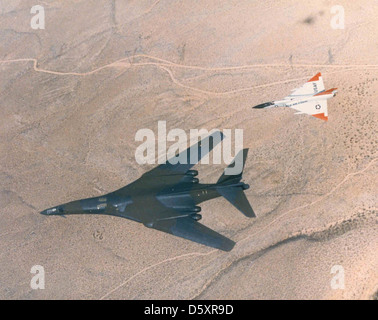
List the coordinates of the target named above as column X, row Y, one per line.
column 263, row 105
column 245, row 186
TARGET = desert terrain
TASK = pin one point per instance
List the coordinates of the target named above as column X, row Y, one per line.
column 74, row 94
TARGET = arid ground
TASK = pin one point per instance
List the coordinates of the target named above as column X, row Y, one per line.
column 73, row 95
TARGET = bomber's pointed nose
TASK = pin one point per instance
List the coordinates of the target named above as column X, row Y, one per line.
column 44, row 212
column 53, row 211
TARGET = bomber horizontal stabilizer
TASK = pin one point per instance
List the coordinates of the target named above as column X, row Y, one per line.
column 238, row 199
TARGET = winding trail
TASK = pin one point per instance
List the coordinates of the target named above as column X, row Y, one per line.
column 166, row 64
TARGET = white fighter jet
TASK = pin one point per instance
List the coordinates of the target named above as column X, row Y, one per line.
column 310, row 99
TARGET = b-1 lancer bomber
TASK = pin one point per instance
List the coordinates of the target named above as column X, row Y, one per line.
column 166, row 198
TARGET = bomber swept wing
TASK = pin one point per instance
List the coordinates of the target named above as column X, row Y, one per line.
column 190, row 229
column 173, row 171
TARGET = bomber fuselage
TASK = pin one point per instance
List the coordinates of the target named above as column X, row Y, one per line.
column 183, row 198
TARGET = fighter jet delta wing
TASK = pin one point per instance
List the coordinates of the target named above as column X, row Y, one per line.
column 310, row 88
column 317, row 109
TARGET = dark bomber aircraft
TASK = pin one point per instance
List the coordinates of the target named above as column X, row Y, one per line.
column 166, row 198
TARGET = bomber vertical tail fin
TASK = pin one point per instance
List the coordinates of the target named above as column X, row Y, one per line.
column 239, row 160
column 235, row 193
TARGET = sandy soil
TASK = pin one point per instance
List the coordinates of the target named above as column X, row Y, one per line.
column 74, row 95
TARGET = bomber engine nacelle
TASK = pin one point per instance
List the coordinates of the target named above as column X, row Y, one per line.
column 191, row 179
column 196, row 209
column 195, row 180
column 245, row 186
column 192, row 210
column 192, row 173
column 196, row 216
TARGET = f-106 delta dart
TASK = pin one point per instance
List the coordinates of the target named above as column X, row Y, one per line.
column 166, row 198
column 310, row 99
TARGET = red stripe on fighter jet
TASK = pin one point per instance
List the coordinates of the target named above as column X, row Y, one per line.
column 329, row 91
column 315, row 77
column 320, row 116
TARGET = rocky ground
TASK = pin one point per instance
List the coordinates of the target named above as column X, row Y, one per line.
column 74, row 94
